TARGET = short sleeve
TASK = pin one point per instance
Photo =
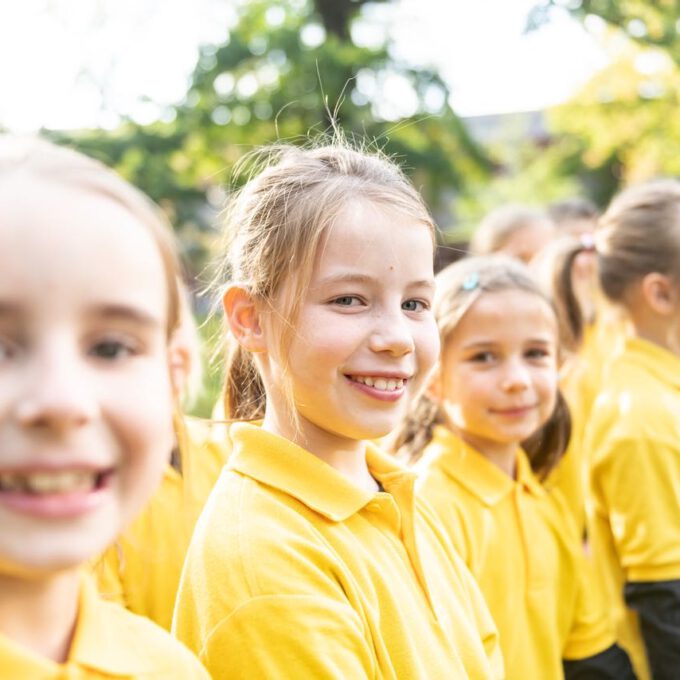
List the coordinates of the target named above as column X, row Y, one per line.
column 289, row 636
column 591, row 631
column 635, row 484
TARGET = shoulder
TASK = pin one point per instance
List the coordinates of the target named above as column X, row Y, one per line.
column 254, row 540
column 140, row 644
column 633, row 404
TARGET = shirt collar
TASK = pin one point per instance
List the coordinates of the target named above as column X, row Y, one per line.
column 479, row 476
column 283, row 465
column 104, row 641
column 658, row 360
column 100, row 642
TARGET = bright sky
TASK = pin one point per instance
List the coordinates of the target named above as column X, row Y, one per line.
column 78, row 63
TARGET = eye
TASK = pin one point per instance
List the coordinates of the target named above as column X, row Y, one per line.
column 537, row 353
column 7, row 349
column 347, row 301
column 111, row 350
column 414, row 306
column 483, row 357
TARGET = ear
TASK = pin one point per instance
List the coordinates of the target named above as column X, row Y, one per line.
column 434, row 388
column 660, row 293
column 243, row 318
column 180, row 366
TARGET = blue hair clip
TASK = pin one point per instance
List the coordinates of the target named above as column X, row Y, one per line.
column 471, row 281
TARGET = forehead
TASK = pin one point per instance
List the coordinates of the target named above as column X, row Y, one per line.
column 368, row 236
column 67, row 238
column 508, row 314
column 528, row 240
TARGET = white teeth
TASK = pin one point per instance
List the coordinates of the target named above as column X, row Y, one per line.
column 383, row 384
column 49, row 482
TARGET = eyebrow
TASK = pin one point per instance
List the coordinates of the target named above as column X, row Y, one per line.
column 350, row 277
column 116, row 312
column 493, row 343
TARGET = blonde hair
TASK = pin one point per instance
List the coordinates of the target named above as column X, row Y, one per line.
column 639, row 234
column 501, row 224
column 459, row 286
column 48, row 162
column 273, row 228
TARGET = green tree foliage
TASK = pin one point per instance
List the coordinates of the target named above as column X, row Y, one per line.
column 284, row 72
column 626, row 117
column 622, row 126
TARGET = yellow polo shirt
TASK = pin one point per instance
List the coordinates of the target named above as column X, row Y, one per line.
column 108, row 643
column 294, row 572
column 633, row 439
column 141, row 570
column 522, row 547
column 581, row 380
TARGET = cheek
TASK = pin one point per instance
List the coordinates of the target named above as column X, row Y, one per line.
column 428, row 345
column 547, row 385
column 145, row 433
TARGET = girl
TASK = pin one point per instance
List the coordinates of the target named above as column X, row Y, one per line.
column 495, row 391
column 88, row 305
column 517, row 230
column 592, row 333
column 312, row 558
column 633, row 436
column 141, row 570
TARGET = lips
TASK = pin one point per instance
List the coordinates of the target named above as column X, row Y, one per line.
column 514, row 410
column 55, row 493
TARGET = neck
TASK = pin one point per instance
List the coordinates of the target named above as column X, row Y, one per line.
column 503, row 456
column 40, row 614
column 660, row 329
column 347, row 456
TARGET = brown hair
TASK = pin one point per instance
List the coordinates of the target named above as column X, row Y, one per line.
column 273, row 228
column 458, row 286
column 575, row 208
column 49, row 162
column 639, row 234
column 554, row 271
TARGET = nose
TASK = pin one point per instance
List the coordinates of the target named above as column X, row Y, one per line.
column 392, row 333
column 57, row 394
column 515, row 376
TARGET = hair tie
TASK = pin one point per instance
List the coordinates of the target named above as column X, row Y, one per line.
column 587, row 242
column 471, row 281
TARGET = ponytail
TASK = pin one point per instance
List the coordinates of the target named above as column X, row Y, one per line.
column 555, row 269
column 547, row 445
column 417, row 430
column 244, row 396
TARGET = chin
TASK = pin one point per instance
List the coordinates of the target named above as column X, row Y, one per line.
column 39, row 567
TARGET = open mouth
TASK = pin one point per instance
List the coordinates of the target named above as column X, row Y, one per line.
column 54, row 482
column 379, row 383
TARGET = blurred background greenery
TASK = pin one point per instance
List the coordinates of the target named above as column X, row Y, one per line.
column 284, row 69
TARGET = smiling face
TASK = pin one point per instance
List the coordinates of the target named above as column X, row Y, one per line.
column 365, row 338
column 85, row 396
column 498, row 373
